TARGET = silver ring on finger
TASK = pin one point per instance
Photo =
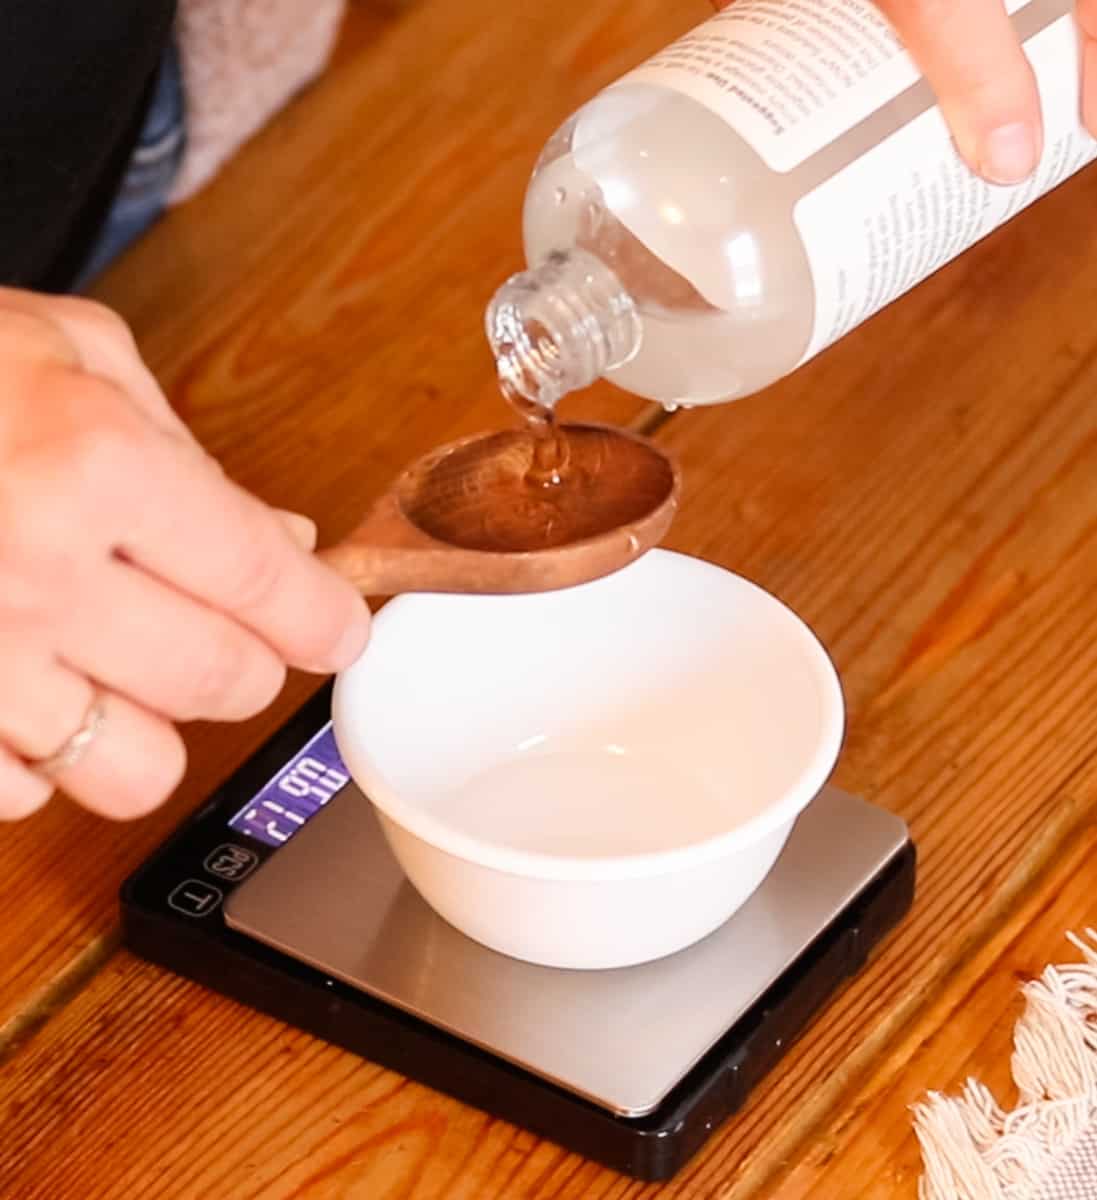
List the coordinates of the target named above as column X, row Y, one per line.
column 75, row 747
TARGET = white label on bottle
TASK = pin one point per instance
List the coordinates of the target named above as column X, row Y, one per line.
column 789, row 76
column 909, row 205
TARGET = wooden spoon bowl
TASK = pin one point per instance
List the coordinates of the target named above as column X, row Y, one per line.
column 483, row 515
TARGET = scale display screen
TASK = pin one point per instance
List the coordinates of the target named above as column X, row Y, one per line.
column 298, row 791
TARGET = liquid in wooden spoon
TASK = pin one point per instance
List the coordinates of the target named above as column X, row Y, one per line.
column 551, row 450
column 536, row 489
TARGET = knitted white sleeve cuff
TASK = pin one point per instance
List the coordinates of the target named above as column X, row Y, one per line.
column 242, row 60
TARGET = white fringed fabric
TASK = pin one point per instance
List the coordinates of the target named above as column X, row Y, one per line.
column 1046, row 1147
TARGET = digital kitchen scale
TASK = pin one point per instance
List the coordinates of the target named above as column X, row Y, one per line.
column 281, row 893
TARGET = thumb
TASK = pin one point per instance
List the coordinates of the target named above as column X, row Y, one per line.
column 301, row 528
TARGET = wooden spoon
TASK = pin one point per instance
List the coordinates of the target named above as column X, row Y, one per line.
column 485, row 514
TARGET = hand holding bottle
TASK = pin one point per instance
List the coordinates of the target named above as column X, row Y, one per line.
column 968, row 51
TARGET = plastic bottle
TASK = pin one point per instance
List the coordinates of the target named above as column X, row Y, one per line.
column 724, row 212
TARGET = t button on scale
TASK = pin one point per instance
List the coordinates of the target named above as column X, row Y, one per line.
column 231, row 862
column 193, row 898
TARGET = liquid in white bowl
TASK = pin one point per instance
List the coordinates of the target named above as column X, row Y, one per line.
column 592, row 802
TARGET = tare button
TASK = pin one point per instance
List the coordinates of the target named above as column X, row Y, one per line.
column 194, row 898
column 231, row 862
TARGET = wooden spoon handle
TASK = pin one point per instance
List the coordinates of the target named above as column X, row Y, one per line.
column 380, row 570
column 385, row 555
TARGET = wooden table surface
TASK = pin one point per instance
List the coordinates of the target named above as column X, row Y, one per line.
column 924, row 495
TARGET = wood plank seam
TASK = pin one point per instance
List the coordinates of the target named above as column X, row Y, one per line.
column 62, row 988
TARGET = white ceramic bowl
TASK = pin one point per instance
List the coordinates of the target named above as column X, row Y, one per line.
column 592, row 777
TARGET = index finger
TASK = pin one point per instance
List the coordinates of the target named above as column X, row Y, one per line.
column 180, row 519
column 969, row 53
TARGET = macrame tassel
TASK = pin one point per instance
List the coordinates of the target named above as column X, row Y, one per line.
column 1046, row 1147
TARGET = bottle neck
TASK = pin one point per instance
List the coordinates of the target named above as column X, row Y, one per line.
column 559, row 326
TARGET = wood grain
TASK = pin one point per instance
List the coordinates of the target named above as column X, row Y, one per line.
column 966, row 1031
column 315, row 315
column 925, row 495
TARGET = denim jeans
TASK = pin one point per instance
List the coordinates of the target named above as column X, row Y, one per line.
column 148, row 178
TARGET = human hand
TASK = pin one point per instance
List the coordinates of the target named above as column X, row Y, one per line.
column 133, row 575
column 969, row 53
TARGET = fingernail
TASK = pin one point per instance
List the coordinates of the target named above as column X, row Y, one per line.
column 353, row 641
column 1008, row 154
column 301, row 528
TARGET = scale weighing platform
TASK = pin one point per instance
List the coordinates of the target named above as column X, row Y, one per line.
column 281, row 893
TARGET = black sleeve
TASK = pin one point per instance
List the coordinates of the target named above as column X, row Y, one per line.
column 75, row 77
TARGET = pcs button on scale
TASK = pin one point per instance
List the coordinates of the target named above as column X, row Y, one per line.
column 233, row 862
